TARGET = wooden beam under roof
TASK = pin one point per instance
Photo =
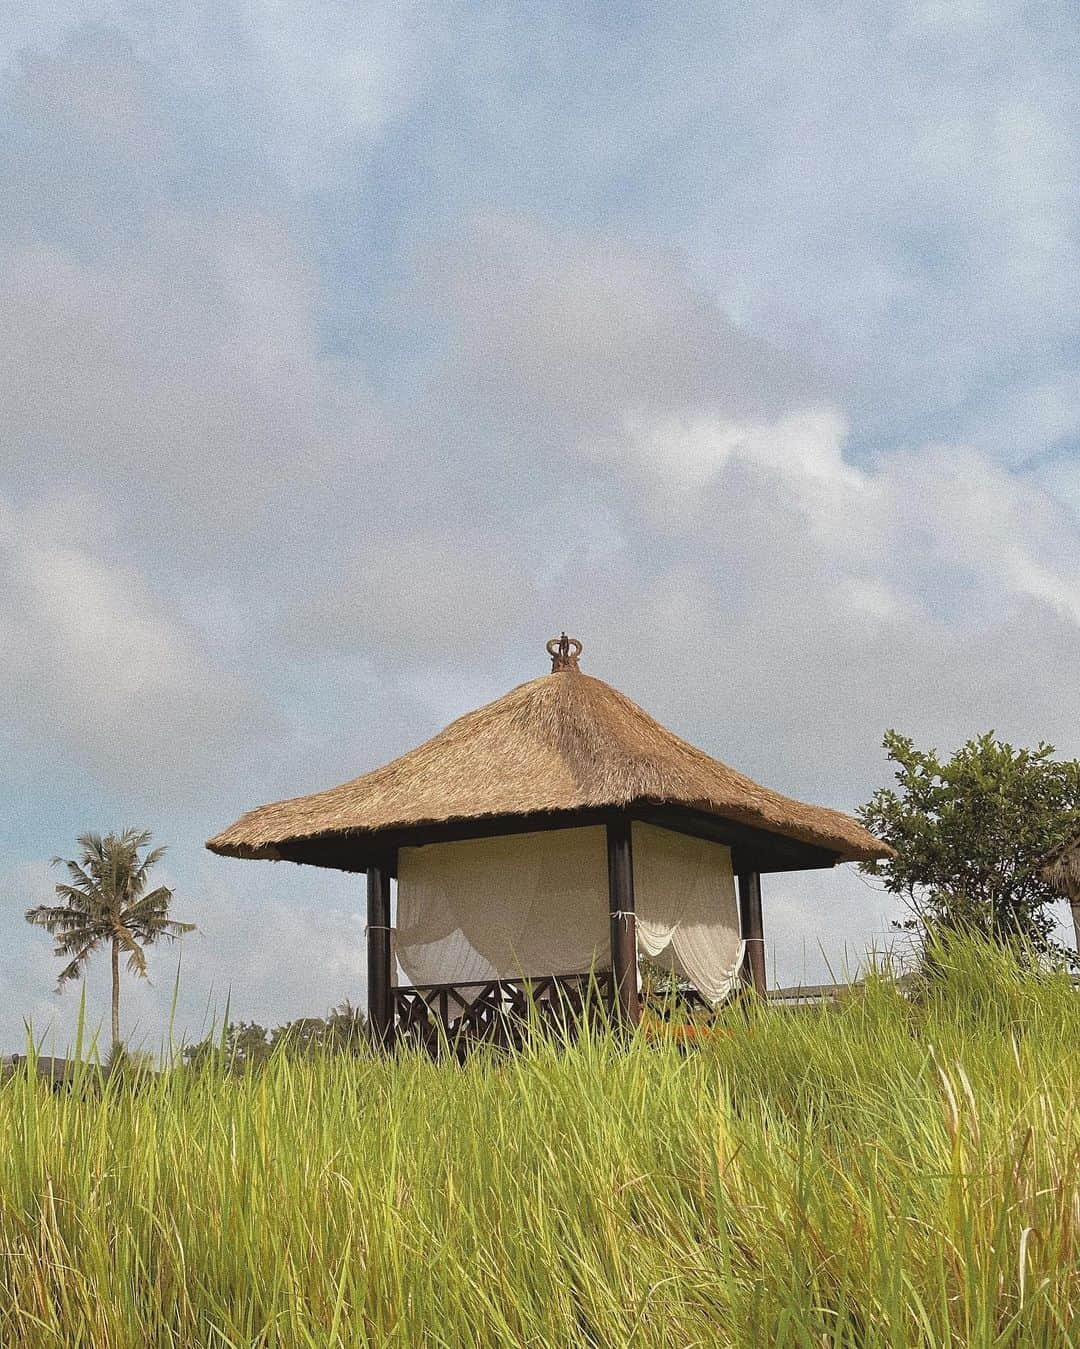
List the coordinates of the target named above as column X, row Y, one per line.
column 753, row 849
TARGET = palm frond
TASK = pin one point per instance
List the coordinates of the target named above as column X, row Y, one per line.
column 136, row 962
column 57, row 918
column 152, row 858
column 141, row 875
column 78, row 901
column 157, row 901
column 93, row 848
column 149, row 918
column 75, row 937
column 104, row 900
column 74, row 969
column 44, row 914
column 82, row 880
column 171, row 929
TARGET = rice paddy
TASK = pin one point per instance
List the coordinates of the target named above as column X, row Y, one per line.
column 885, row 1172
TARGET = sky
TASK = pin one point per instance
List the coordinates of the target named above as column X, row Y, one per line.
column 349, row 351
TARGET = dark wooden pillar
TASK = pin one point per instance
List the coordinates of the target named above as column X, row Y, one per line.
column 624, row 969
column 752, row 930
column 380, row 1005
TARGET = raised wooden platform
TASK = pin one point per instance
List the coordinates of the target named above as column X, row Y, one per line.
column 451, row 1017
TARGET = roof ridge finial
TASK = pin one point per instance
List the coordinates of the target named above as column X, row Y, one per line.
column 564, row 652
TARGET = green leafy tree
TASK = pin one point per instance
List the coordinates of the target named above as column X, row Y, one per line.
column 240, row 1045
column 106, row 902
column 969, row 835
column 245, row 1044
column 343, row 1028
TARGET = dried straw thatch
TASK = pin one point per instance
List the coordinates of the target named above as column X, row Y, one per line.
column 1061, row 869
column 563, row 742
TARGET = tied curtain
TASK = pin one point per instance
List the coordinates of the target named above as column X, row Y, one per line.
column 534, row 904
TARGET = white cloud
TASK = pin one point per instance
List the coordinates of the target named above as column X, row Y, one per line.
column 417, row 593
column 90, row 661
column 675, row 460
column 551, row 324
column 339, row 77
column 185, row 375
column 778, row 600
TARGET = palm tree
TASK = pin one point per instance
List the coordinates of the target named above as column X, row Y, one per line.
column 106, row 901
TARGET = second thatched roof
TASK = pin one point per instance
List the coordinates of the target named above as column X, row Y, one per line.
column 563, row 742
column 1061, row 869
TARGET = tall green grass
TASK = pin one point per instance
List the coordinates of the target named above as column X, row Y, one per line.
column 880, row 1173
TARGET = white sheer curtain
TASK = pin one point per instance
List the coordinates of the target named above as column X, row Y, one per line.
column 687, row 913
column 533, row 904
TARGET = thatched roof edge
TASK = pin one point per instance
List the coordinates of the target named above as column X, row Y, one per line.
column 564, row 742
column 1061, row 869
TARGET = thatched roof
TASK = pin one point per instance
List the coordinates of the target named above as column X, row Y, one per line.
column 564, row 742
column 1061, row 869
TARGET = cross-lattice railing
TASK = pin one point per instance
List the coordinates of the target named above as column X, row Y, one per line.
column 442, row 1017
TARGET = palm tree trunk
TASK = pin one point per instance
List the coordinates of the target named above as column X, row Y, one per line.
column 115, row 994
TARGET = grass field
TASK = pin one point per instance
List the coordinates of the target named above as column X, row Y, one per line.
column 880, row 1173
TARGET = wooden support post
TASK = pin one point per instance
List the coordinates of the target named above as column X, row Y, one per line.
column 623, row 921
column 752, row 930
column 380, row 1004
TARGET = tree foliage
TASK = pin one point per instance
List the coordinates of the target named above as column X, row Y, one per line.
column 969, row 834
column 246, row 1044
column 106, row 903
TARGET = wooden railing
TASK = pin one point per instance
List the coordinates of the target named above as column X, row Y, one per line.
column 452, row 1017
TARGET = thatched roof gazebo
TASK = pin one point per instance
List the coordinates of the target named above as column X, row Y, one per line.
column 1061, row 870
column 544, row 840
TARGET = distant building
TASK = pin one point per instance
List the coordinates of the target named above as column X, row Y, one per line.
column 59, row 1072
